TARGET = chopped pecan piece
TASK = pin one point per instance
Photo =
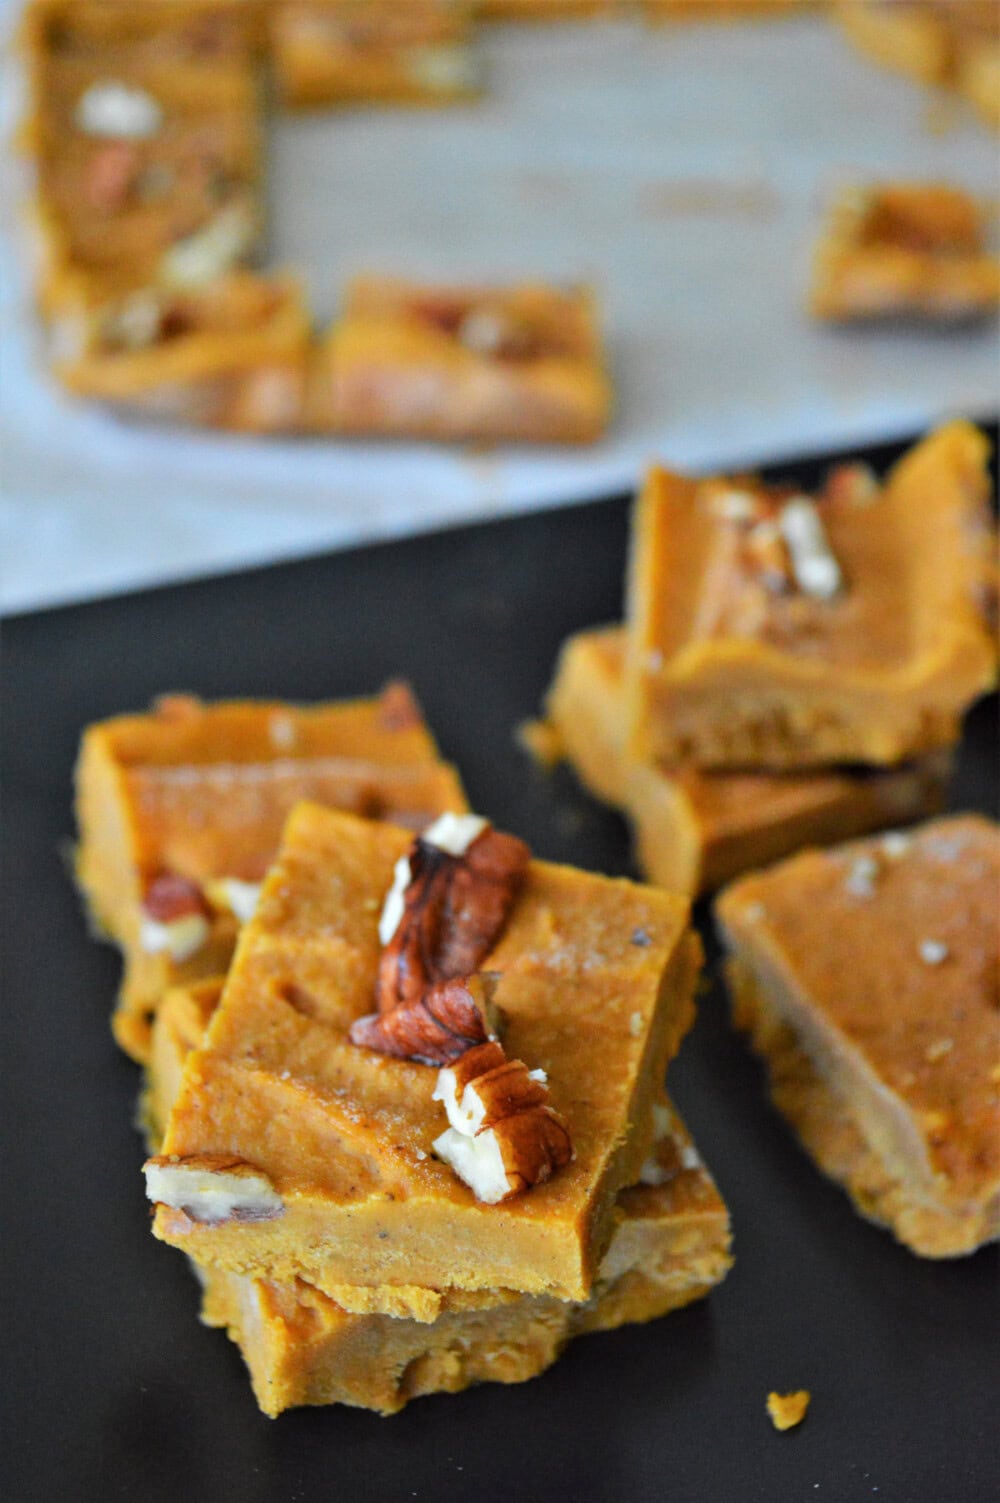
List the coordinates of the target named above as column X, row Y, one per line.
column 448, row 1019
column 454, row 910
column 169, row 896
column 212, row 1188
column 111, row 175
column 503, row 1137
column 497, row 332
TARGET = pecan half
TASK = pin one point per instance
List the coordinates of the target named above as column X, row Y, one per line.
column 447, row 1020
column 454, row 910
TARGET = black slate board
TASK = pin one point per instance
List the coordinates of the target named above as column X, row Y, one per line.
column 115, row 1391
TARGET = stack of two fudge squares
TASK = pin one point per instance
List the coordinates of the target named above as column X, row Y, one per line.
column 794, row 668
column 297, row 1167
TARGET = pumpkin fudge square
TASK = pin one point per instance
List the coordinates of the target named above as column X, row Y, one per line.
column 774, row 630
column 693, row 830
column 867, row 978
column 181, row 809
column 669, row 1247
column 293, row 1152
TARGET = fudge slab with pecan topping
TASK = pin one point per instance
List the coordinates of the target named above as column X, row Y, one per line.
column 520, row 363
column 145, row 133
column 200, row 792
column 670, row 1246
column 594, row 979
column 694, row 830
column 233, row 355
column 905, row 250
column 332, row 52
column 867, row 978
column 770, row 630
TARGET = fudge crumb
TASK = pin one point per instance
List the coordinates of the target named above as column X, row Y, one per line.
column 896, row 844
column 933, row 952
column 788, row 1409
column 938, row 1049
column 540, row 739
column 860, row 880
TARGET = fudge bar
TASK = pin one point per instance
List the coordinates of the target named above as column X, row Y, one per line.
column 905, row 250
column 867, row 978
column 520, row 363
column 324, row 1147
column 181, row 810
column 694, row 830
column 234, row 354
column 774, row 630
column 330, row 52
column 670, row 1246
column 145, row 141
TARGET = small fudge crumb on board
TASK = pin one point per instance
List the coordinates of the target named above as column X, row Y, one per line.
column 786, row 1410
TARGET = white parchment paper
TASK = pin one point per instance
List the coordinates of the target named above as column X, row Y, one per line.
column 680, row 171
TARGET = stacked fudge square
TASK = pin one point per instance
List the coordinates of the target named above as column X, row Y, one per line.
column 794, row 672
column 306, row 1173
column 794, row 668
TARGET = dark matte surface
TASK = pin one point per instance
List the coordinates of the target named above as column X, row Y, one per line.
column 117, row 1392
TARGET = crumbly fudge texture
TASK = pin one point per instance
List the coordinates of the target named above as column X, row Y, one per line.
column 694, row 830
column 867, row 977
column 595, row 981
column 725, row 670
column 518, row 363
column 905, row 250
column 203, row 790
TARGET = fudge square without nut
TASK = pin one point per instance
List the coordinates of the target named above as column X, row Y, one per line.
column 867, row 978
column 772, row 630
column 693, row 830
column 669, row 1246
column 181, row 809
column 334, row 1141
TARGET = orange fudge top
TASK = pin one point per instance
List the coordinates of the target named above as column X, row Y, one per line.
column 595, row 978
column 883, row 956
column 209, row 786
column 773, row 628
